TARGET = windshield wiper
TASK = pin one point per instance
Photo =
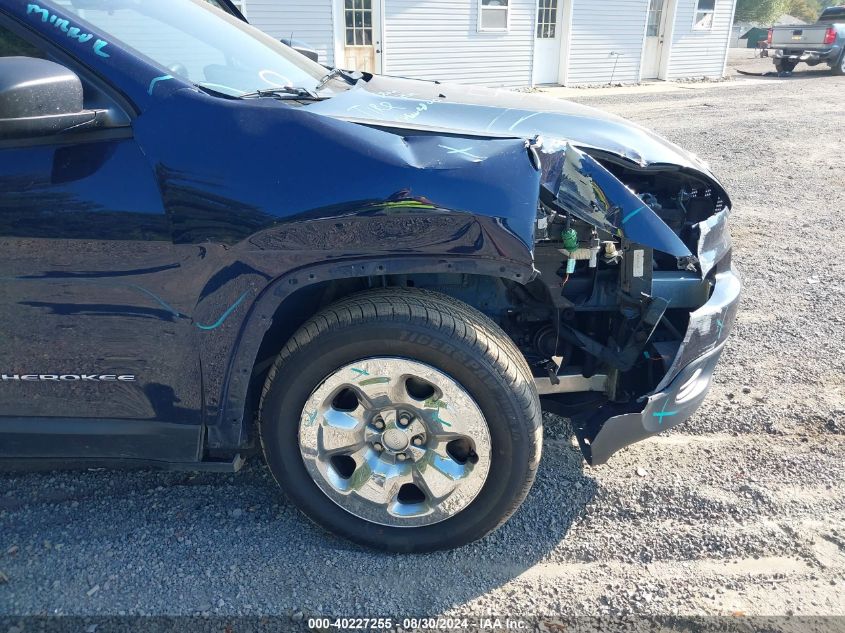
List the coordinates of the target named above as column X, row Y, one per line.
column 279, row 91
column 335, row 72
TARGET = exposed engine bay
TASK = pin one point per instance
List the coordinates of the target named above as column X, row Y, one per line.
column 603, row 321
column 605, row 317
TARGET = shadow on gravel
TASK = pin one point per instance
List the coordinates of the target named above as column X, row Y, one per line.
column 797, row 74
column 176, row 543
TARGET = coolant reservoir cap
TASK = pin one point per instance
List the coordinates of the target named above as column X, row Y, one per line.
column 570, row 239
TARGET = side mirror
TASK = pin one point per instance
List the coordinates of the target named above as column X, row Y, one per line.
column 39, row 98
column 302, row 48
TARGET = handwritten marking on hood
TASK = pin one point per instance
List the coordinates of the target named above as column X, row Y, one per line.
column 465, row 151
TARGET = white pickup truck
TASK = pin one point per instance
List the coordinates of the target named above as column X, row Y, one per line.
column 814, row 44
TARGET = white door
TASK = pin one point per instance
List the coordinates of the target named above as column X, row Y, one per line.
column 362, row 41
column 547, row 42
column 654, row 38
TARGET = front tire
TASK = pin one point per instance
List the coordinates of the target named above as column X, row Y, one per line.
column 403, row 420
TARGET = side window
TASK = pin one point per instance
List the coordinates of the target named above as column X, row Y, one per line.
column 547, row 19
column 704, row 15
column 493, row 15
column 13, row 46
column 655, row 17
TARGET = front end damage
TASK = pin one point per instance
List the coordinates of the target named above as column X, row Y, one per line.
column 635, row 295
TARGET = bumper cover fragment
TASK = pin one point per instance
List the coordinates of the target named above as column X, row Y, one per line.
column 613, row 427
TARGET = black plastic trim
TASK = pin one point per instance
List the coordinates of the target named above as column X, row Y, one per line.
column 72, row 439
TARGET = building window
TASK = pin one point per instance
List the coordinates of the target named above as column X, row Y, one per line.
column 493, row 15
column 655, row 17
column 547, row 19
column 359, row 22
column 704, row 11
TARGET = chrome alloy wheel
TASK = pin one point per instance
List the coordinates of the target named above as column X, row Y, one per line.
column 395, row 442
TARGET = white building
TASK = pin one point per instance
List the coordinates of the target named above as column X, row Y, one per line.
column 510, row 42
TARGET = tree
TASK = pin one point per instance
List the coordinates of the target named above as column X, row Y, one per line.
column 760, row 11
column 767, row 11
column 807, row 10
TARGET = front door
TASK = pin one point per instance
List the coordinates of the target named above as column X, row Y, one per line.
column 362, row 37
column 654, row 39
column 547, row 43
column 98, row 359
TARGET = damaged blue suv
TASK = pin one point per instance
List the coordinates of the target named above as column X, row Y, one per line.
column 214, row 247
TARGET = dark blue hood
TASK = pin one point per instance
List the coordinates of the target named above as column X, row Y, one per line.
column 476, row 111
column 568, row 138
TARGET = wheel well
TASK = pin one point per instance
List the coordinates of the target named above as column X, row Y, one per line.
column 486, row 293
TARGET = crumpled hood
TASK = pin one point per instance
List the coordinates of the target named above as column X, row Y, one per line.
column 476, row 111
column 572, row 137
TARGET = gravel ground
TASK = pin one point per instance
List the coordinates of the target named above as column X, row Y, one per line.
column 742, row 509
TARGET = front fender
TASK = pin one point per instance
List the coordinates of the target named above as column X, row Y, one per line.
column 259, row 191
column 229, row 430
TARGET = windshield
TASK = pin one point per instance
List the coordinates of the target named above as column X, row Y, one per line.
column 200, row 43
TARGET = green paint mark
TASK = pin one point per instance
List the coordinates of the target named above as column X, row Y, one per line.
column 360, row 372
column 435, row 404
column 99, row 45
column 64, row 26
column 437, row 418
column 374, row 381
column 663, row 413
column 407, row 204
column 721, row 326
column 155, row 81
column 311, row 418
column 225, row 315
column 632, row 214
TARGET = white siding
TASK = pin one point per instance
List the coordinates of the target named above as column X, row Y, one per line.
column 700, row 53
column 439, row 39
column 599, row 29
column 306, row 20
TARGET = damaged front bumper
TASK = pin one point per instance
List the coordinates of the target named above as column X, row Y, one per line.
column 683, row 389
column 577, row 184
